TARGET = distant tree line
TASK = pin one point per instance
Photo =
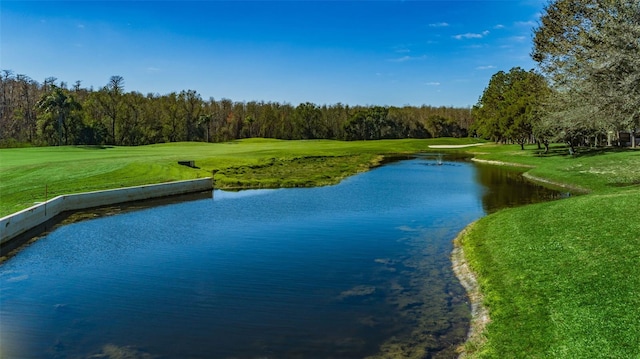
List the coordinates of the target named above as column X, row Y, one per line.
column 54, row 113
column 588, row 88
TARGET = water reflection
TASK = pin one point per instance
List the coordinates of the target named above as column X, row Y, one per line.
column 356, row 270
column 506, row 187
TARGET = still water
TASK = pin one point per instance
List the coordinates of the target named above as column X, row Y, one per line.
column 348, row 271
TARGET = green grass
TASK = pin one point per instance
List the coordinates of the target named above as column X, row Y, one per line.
column 594, row 170
column 29, row 175
column 562, row 279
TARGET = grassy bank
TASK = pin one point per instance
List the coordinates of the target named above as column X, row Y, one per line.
column 29, row 175
column 595, row 170
column 562, row 279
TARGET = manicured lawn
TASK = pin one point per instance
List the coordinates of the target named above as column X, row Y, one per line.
column 595, row 170
column 562, row 279
column 29, row 175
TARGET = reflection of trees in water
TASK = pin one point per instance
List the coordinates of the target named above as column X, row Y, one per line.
column 506, row 187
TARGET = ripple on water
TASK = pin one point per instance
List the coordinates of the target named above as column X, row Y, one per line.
column 356, row 270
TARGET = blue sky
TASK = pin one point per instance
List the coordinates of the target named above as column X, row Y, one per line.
column 395, row 53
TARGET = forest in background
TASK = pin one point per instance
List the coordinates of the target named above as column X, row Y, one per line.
column 585, row 92
column 54, row 113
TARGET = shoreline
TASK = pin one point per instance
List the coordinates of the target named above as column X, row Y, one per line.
column 15, row 224
column 533, row 178
column 480, row 317
column 468, row 278
column 500, row 163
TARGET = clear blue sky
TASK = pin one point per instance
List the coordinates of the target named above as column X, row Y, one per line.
column 396, row 53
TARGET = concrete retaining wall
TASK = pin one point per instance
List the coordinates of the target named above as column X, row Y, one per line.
column 20, row 222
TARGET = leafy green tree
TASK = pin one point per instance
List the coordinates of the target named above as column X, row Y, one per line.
column 235, row 120
column 510, row 106
column 285, row 129
column 95, row 131
column 251, row 123
column 441, row 126
column 369, row 124
column 488, row 111
column 335, row 116
column 224, row 118
column 269, row 120
column 308, row 121
column 131, row 126
column 152, row 123
column 58, row 107
column 204, row 122
column 191, row 108
column 589, row 51
column 172, row 127
column 215, row 108
column 526, row 96
column 406, row 123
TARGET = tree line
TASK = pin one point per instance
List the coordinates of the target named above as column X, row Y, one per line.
column 588, row 89
column 54, row 113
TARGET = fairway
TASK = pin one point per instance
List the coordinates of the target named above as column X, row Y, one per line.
column 559, row 279
column 30, row 175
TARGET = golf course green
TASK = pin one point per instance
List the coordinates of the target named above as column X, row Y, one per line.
column 559, row 279
column 30, row 175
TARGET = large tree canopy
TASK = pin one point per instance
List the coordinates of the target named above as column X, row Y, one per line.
column 590, row 51
column 509, row 107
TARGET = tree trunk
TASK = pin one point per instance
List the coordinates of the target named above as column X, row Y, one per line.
column 572, row 149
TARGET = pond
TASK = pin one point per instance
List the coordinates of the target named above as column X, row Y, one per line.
column 360, row 269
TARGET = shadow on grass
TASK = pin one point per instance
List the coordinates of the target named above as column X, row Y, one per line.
column 94, row 147
column 563, row 151
column 596, row 151
column 556, row 151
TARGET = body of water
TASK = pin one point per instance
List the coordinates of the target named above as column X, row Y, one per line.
column 360, row 269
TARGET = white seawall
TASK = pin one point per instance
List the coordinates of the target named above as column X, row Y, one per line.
column 15, row 224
